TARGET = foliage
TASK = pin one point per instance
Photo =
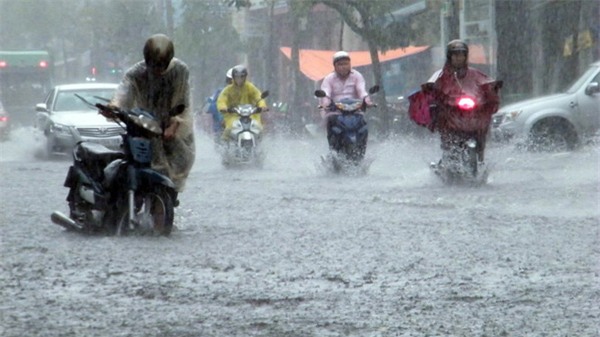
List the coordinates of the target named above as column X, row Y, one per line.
column 208, row 43
column 119, row 28
column 24, row 26
column 374, row 21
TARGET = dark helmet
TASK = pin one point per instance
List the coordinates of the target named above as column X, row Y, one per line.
column 455, row 46
column 158, row 51
column 239, row 71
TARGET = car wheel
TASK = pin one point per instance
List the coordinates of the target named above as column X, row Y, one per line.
column 552, row 135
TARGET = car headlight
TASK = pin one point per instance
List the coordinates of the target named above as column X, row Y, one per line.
column 510, row 116
column 60, row 129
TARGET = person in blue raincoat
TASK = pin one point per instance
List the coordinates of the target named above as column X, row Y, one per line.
column 217, row 117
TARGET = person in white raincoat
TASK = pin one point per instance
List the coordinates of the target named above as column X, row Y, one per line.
column 157, row 84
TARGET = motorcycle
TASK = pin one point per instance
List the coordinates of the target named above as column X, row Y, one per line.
column 350, row 134
column 242, row 147
column 460, row 162
column 117, row 192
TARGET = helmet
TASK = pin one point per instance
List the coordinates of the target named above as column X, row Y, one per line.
column 158, row 51
column 239, row 71
column 456, row 46
column 228, row 74
column 340, row 55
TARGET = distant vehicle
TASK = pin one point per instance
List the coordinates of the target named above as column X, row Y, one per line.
column 65, row 119
column 4, row 123
column 25, row 78
column 554, row 122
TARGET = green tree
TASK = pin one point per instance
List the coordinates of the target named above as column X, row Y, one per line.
column 208, row 43
column 115, row 30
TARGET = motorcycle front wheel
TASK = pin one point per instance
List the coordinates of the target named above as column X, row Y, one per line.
column 153, row 214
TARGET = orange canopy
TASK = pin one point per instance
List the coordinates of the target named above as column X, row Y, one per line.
column 316, row 64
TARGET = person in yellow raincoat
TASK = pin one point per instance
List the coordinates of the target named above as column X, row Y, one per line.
column 241, row 91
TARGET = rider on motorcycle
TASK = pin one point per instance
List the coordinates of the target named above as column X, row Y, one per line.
column 144, row 86
column 241, row 91
column 343, row 82
column 212, row 107
column 453, row 79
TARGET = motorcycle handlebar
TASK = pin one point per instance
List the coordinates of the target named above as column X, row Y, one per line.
column 109, row 111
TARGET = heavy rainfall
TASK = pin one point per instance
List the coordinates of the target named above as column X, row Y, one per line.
column 290, row 248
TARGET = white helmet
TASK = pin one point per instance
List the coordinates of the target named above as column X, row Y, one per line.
column 229, row 73
column 340, row 55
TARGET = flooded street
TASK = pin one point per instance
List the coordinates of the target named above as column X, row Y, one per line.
column 290, row 250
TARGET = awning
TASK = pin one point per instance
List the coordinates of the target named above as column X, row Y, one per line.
column 316, row 64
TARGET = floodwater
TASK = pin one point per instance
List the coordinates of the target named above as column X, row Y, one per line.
column 289, row 250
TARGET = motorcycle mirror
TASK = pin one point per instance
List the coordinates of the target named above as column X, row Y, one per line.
column 177, row 110
column 264, row 94
column 320, row 93
column 374, row 89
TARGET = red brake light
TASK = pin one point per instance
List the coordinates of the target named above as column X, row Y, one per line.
column 3, row 118
column 43, row 64
column 3, row 64
column 466, row 103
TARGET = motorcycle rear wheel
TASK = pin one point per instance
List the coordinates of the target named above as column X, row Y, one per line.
column 153, row 214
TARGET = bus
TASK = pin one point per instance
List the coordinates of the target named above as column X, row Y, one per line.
column 25, row 79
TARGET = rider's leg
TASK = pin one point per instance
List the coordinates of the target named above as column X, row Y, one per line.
column 481, row 138
column 330, row 136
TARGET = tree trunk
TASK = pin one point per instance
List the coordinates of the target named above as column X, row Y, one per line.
column 169, row 15
column 269, row 67
column 294, row 111
column 384, row 112
column 515, row 52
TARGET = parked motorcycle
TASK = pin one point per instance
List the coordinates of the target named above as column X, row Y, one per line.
column 460, row 163
column 117, row 192
column 242, row 147
column 350, row 134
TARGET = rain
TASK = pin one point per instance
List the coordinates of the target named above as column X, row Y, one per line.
column 290, row 248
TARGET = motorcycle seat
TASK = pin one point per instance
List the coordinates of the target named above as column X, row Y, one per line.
column 89, row 151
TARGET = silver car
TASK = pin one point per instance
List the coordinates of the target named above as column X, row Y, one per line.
column 65, row 119
column 555, row 122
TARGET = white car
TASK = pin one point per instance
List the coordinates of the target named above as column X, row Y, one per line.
column 555, row 122
column 65, row 119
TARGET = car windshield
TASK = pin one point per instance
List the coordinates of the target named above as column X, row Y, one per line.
column 67, row 101
column 581, row 80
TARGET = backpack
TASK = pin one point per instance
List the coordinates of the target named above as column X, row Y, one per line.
column 418, row 109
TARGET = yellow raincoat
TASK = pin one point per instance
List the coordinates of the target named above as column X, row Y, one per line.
column 233, row 95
